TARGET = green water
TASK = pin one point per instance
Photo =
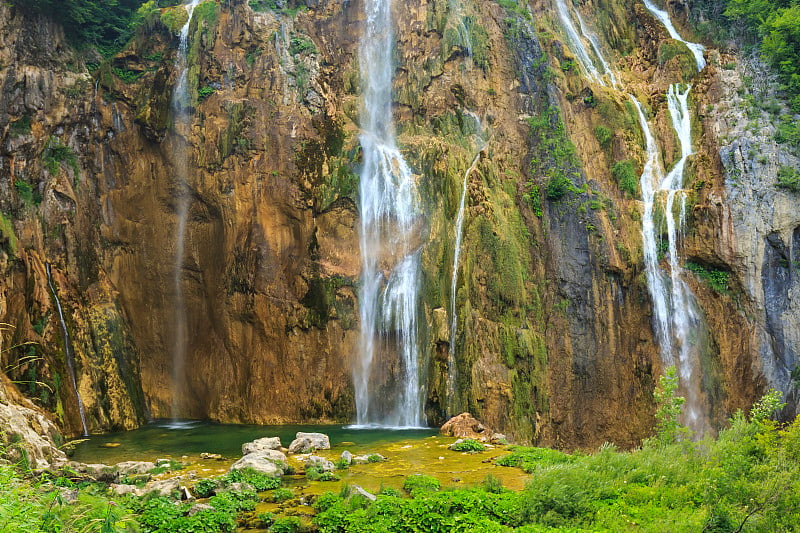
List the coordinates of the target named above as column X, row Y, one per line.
column 168, row 438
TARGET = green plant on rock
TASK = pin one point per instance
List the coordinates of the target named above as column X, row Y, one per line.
column 604, row 136
column 624, row 174
column 281, row 495
column 789, row 179
column 8, row 236
column 56, row 153
column 468, row 445
column 301, row 44
column 668, row 408
column 205, row 487
column 258, row 480
column 27, row 194
column 719, row 280
column 20, row 127
column 286, row 524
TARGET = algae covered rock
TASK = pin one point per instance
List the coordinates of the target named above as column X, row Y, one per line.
column 309, row 442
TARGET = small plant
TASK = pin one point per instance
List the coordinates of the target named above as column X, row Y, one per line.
column 557, row 187
column 390, row 491
column 256, row 479
column 625, row 175
column 342, row 464
column 205, row 92
column 281, row 495
column 27, row 194
column 604, row 136
column 313, row 472
column 669, row 407
column 421, row 483
column 266, row 519
column 286, row 524
column 789, row 179
column 127, row 76
column 468, row 445
column 20, row 127
column 205, row 487
column 718, row 279
column 300, row 44
column 492, row 484
column 375, row 458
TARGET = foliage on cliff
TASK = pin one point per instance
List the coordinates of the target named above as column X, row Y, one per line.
column 774, row 25
column 105, row 24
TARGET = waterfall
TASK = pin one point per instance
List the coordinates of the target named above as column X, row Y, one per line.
column 459, row 235
column 696, row 48
column 68, row 355
column 386, row 376
column 678, row 321
column 181, row 104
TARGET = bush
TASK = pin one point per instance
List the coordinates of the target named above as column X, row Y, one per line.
column 468, row 445
column 718, row 279
column 624, row 174
column 287, row 524
column 557, row 187
column 205, row 487
column 266, row 519
column 421, row 483
column 205, row 92
column 281, row 495
column 789, row 178
column 258, row 480
column 604, row 136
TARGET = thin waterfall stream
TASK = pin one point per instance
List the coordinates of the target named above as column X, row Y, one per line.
column 387, row 374
column 68, row 354
column 678, row 321
column 181, row 115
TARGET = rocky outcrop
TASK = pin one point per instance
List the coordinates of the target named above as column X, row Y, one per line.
column 261, row 445
column 465, row 426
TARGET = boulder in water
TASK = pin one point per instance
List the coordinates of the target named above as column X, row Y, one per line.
column 261, row 445
column 321, row 462
column 309, row 442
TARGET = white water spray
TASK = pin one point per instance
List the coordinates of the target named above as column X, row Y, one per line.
column 68, row 355
column 386, row 378
column 181, row 103
column 696, row 48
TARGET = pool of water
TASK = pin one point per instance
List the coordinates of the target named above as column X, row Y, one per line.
column 176, row 439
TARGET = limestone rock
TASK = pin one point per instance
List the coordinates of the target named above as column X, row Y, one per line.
column 309, row 442
column 465, row 426
column 321, row 462
column 123, row 489
column 260, row 445
column 270, row 462
column 347, row 456
column 196, row 508
column 127, row 468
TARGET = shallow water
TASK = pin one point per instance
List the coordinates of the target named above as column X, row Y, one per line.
column 408, row 452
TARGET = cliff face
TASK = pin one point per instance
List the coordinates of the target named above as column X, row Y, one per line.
column 554, row 341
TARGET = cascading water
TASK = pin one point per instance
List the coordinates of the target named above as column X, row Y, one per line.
column 678, row 320
column 181, row 105
column 696, row 48
column 68, row 355
column 387, row 380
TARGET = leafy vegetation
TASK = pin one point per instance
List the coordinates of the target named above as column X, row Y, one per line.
column 468, row 445
column 604, row 136
column 746, row 480
column 624, row 174
column 789, row 178
column 717, row 279
column 554, row 154
column 56, row 153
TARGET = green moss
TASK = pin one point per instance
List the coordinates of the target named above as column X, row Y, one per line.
column 321, row 300
column 625, row 175
column 789, row 179
column 20, row 127
column 553, row 153
column 717, row 279
column 234, row 138
column 604, row 136
column 56, row 153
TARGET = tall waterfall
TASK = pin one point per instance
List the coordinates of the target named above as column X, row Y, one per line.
column 68, row 355
column 181, row 105
column 678, row 321
column 387, row 375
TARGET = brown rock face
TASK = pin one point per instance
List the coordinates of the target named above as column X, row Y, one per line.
column 553, row 339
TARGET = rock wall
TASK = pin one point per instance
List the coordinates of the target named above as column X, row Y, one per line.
column 554, row 342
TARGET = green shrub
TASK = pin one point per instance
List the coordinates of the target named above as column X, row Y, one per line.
column 281, row 495
column 286, row 524
column 205, row 487
column 20, row 127
column 557, row 187
column 258, row 480
column 266, row 519
column 375, row 458
column 300, row 44
column 604, row 136
column 718, row 279
column 325, row 501
column 56, row 153
column 468, row 445
column 27, row 194
column 534, row 197
column 624, row 174
column 205, row 92
column 420, row 483
column 789, row 178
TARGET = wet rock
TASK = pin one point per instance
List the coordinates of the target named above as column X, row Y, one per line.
column 196, row 508
column 260, row 445
column 465, row 426
column 321, row 462
column 211, row 456
column 270, row 462
column 347, row 456
column 309, row 442
column 367, row 495
column 129, row 468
